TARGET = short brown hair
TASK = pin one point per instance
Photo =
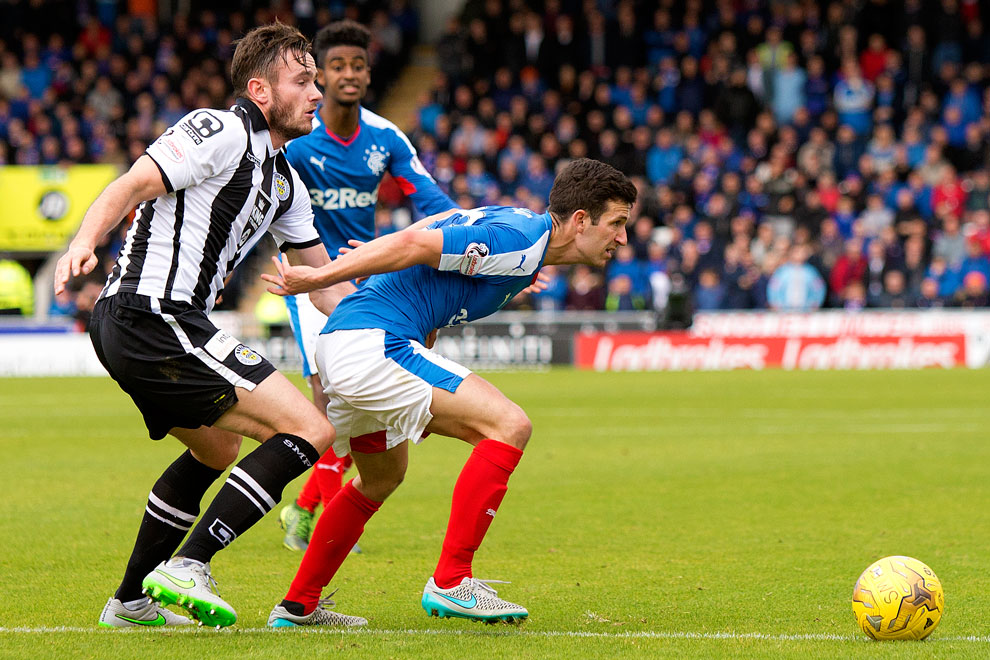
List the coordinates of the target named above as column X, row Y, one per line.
column 590, row 185
column 258, row 52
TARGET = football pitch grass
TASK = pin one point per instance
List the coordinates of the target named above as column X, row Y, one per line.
column 654, row 515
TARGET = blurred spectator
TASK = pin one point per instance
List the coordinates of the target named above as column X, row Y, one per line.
column 975, row 261
column 621, row 295
column 948, row 278
column 854, row 99
column 928, row 297
column 710, row 293
column 849, row 267
column 736, row 106
column 876, row 271
column 973, row 293
column 876, row 216
column 586, row 291
column 854, row 296
column 894, row 293
column 949, row 243
column 796, row 286
column 788, row 89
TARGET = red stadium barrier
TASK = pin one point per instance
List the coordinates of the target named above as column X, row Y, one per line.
column 679, row 351
column 827, row 340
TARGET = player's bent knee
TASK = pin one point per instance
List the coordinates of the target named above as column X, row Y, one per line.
column 392, row 484
column 226, row 452
column 517, row 429
column 321, row 437
column 380, row 486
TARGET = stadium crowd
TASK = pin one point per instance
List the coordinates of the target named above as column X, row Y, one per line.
column 788, row 155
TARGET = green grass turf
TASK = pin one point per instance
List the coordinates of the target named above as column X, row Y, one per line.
column 654, row 515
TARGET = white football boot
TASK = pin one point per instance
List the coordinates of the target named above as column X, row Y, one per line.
column 471, row 599
column 189, row 584
column 115, row 615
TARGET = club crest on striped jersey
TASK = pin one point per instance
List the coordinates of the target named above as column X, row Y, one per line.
column 281, row 187
column 246, row 356
column 375, row 157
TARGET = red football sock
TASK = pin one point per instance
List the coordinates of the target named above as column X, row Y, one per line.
column 336, row 532
column 329, row 475
column 309, row 496
column 477, row 494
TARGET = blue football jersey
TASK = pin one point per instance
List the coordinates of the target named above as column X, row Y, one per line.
column 489, row 255
column 342, row 177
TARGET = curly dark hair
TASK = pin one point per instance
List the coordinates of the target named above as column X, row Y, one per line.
column 340, row 33
column 590, row 185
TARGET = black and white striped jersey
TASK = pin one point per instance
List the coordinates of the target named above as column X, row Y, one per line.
column 226, row 187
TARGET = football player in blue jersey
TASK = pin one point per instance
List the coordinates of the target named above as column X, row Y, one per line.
column 386, row 387
column 342, row 163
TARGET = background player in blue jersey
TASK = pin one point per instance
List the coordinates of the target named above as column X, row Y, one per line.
column 342, row 163
column 385, row 387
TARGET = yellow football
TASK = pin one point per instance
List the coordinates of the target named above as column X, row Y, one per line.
column 898, row 598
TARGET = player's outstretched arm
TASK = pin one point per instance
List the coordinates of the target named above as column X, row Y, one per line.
column 140, row 183
column 326, row 299
column 385, row 254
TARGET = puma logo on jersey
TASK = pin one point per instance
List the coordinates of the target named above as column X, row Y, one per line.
column 319, row 163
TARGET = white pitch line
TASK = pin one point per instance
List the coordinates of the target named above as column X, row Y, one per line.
column 644, row 634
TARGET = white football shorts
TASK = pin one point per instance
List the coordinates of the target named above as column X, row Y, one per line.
column 377, row 381
column 307, row 322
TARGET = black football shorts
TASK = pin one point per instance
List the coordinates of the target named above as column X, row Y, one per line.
column 179, row 368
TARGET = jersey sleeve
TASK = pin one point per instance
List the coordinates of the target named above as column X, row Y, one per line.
column 490, row 249
column 294, row 228
column 407, row 170
column 201, row 145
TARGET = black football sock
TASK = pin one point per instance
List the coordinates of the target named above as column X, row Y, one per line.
column 173, row 505
column 253, row 488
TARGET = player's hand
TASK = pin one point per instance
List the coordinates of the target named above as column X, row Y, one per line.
column 76, row 261
column 542, row 283
column 431, row 339
column 354, row 243
column 290, row 279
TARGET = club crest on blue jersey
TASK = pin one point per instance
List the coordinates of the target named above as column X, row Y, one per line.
column 473, row 257
column 376, row 157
